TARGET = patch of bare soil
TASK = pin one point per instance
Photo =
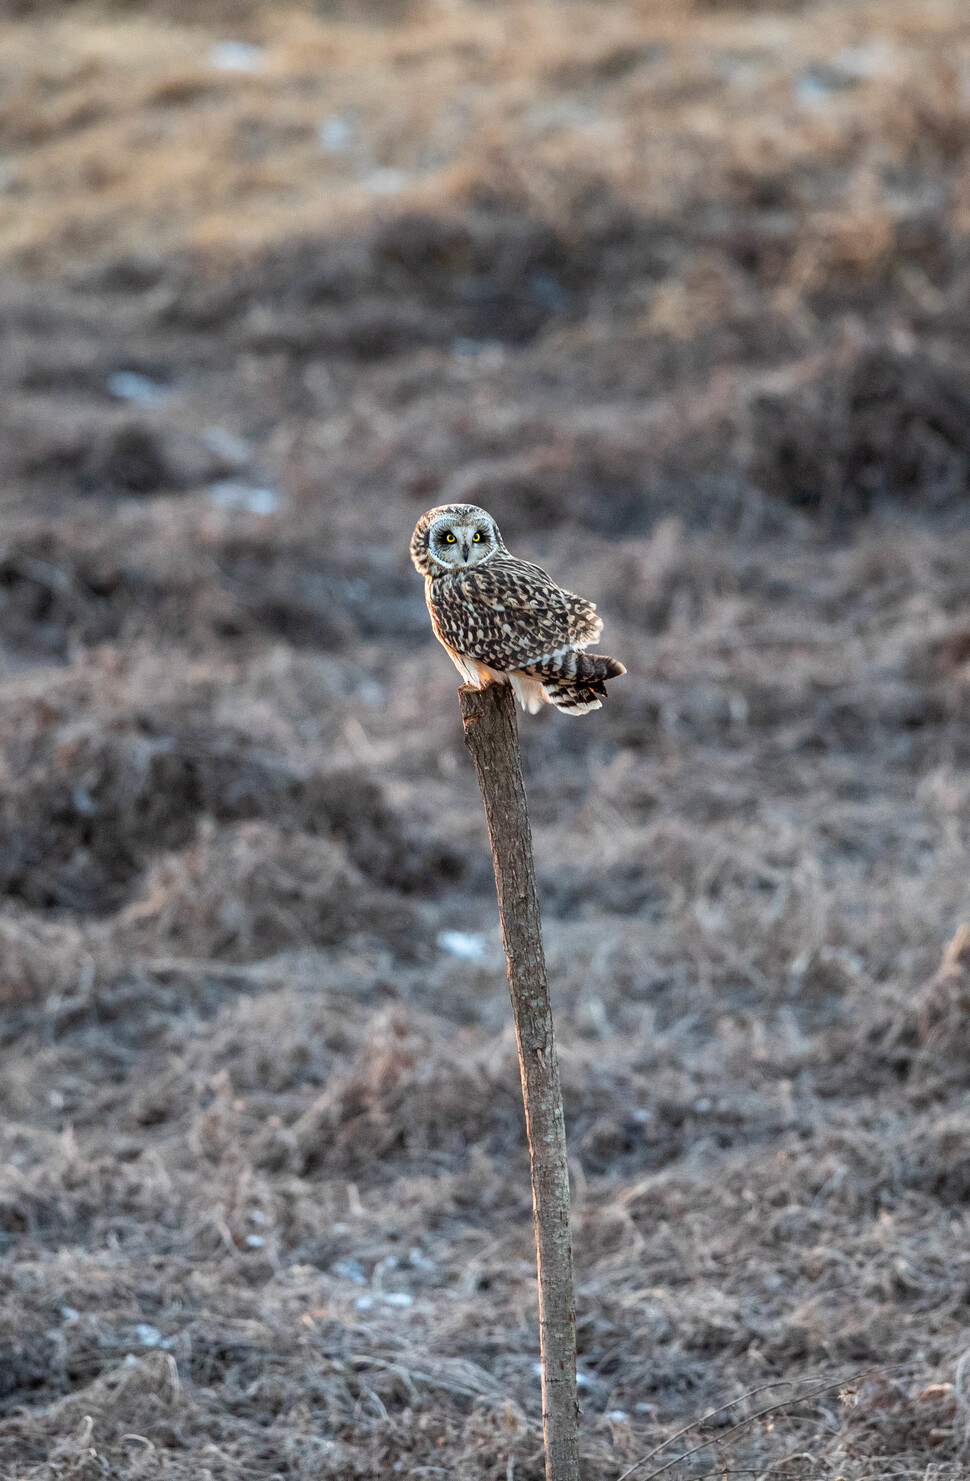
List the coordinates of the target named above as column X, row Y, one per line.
column 679, row 293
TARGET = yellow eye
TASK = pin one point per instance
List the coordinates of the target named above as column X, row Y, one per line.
column 477, row 537
column 451, row 539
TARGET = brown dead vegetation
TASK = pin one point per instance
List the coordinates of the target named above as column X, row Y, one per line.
column 679, row 293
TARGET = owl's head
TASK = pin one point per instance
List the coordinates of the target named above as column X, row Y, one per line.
column 454, row 537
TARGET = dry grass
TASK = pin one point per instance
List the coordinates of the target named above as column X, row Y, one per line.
column 679, row 292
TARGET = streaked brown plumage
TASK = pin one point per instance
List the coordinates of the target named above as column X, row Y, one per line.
column 505, row 619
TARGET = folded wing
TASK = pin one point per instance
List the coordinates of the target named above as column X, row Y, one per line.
column 510, row 613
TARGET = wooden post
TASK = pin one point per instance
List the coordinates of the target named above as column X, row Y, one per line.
column 491, row 735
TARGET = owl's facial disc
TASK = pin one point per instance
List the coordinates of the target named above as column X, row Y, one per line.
column 461, row 542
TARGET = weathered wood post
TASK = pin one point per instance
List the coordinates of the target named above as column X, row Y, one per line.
column 491, row 734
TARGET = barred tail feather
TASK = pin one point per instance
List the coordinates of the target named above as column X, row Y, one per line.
column 573, row 701
column 575, row 682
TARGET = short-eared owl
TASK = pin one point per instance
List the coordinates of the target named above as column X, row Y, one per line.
column 505, row 619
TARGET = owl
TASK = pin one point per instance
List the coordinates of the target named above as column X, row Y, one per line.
column 505, row 620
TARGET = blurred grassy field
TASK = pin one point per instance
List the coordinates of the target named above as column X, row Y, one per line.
column 122, row 129
column 681, row 293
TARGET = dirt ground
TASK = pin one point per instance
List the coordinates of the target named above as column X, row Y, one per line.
column 681, row 293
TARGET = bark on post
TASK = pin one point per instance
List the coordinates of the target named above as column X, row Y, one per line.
column 491, row 734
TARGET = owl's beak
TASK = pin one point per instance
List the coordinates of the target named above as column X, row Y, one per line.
column 466, row 551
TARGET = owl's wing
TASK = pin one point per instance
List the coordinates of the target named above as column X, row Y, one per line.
column 509, row 613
